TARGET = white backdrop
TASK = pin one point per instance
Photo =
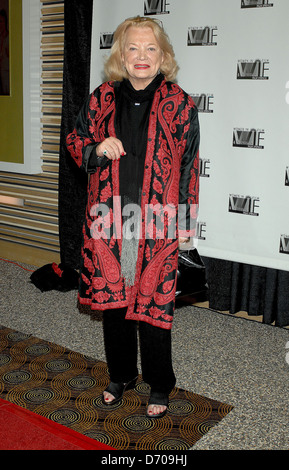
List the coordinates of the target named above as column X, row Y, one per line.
column 234, row 61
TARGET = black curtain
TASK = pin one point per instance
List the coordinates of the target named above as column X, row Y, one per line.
column 236, row 287
column 76, row 78
column 233, row 286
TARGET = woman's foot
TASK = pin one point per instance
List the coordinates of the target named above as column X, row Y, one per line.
column 156, row 411
column 108, row 397
column 114, row 392
column 157, row 405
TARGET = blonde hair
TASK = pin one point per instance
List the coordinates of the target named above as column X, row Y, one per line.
column 113, row 67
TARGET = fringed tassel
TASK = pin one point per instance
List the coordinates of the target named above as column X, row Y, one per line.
column 130, row 243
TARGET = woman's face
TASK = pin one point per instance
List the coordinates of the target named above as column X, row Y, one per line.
column 142, row 56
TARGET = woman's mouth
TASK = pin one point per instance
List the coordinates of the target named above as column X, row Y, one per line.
column 141, row 66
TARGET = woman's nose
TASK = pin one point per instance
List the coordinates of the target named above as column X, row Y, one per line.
column 142, row 54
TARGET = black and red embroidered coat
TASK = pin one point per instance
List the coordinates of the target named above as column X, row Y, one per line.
column 171, row 177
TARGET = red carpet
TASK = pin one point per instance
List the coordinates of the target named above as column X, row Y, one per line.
column 21, row 429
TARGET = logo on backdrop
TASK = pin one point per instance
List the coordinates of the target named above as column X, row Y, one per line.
column 287, row 176
column 287, row 93
column 204, row 102
column 248, row 138
column 256, row 3
column 252, row 69
column 284, row 244
column 155, row 7
column 204, row 167
column 105, row 41
column 201, row 230
column 202, row 36
column 246, row 205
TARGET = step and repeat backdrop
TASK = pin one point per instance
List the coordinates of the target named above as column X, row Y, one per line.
column 234, row 61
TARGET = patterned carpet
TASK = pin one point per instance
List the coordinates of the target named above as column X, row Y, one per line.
column 66, row 387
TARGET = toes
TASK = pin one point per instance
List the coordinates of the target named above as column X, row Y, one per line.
column 108, row 397
column 156, row 409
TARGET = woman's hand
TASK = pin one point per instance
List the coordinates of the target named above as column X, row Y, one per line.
column 111, row 148
column 183, row 240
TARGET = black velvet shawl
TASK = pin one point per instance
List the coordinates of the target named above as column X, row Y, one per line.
column 132, row 119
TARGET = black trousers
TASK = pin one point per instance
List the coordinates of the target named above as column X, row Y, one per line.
column 121, row 347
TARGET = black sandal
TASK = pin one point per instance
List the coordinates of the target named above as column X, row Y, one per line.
column 158, row 399
column 117, row 389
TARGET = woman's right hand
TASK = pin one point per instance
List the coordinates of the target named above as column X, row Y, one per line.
column 111, row 148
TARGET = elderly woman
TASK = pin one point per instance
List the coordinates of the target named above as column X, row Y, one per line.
column 138, row 137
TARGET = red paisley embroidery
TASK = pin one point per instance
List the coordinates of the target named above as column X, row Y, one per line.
column 101, row 297
column 98, row 283
column 88, row 263
column 104, row 174
column 150, row 276
column 109, row 266
column 157, row 186
column 157, row 169
column 168, row 285
column 155, row 312
column 85, row 279
column 164, row 299
column 118, row 296
column 106, row 193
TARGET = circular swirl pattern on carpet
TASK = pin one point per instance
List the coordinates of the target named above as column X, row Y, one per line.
column 58, row 365
column 4, row 359
column 81, row 382
column 137, row 423
column 37, row 349
column 16, row 336
column 170, row 444
column 38, row 396
column 64, row 416
column 100, row 437
column 181, row 407
column 16, row 377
